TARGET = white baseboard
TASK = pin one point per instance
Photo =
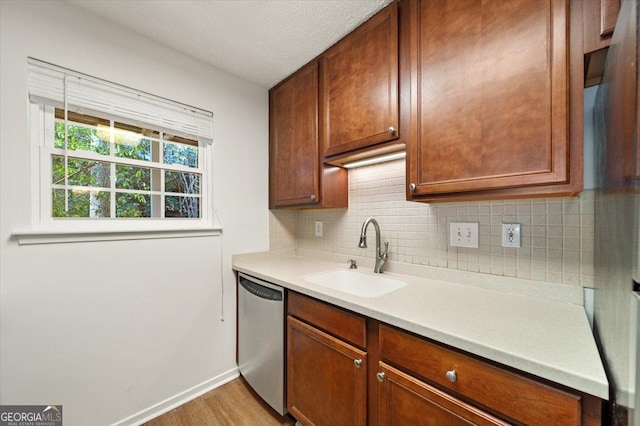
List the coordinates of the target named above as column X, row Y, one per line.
column 178, row 399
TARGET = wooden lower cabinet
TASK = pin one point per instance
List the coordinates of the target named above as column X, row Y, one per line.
column 405, row 400
column 346, row 369
column 512, row 396
column 327, row 378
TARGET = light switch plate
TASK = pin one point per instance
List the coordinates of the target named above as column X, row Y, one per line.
column 510, row 235
column 463, row 234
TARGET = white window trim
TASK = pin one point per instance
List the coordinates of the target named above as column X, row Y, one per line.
column 39, row 236
column 44, row 229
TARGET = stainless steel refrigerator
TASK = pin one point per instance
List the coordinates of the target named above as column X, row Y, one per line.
column 617, row 217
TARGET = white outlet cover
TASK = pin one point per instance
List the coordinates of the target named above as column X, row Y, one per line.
column 463, row 234
column 510, row 235
column 318, row 228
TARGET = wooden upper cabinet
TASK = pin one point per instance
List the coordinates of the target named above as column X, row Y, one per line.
column 490, row 92
column 609, row 10
column 600, row 18
column 599, row 22
column 359, row 86
column 297, row 178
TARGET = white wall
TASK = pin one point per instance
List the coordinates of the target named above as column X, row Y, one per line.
column 108, row 329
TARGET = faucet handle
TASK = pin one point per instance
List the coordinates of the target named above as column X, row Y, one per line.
column 352, row 264
column 385, row 253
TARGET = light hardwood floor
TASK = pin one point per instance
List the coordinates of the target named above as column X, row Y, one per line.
column 233, row 404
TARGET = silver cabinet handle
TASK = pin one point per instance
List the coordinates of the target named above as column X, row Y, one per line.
column 412, row 186
column 357, row 362
column 380, row 377
column 452, row 376
column 313, row 197
column 392, row 130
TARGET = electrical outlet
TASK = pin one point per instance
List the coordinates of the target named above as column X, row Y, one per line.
column 318, row 228
column 463, row 234
column 510, row 235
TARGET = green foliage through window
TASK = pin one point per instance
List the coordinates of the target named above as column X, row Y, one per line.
column 175, row 153
column 137, row 192
column 82, row 138
column 133, row 205
column 81, row 203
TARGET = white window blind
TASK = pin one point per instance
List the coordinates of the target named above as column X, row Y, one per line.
column 110, row 159
column 56, row 86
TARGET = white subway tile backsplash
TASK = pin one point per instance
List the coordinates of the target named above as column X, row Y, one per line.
column 557, row 233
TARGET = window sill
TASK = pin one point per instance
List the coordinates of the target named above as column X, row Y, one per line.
column 39, row 236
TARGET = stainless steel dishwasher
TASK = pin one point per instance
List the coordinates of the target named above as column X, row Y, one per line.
column 261, row 338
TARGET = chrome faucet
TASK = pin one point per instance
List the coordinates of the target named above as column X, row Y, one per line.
column 381, row 256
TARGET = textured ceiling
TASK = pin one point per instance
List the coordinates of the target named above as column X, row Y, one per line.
column 260, row 40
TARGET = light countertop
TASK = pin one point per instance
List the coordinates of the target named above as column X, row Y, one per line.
column 547, row 338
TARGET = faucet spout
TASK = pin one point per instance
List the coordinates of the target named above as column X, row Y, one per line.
column 381, row 256
column 363, row 241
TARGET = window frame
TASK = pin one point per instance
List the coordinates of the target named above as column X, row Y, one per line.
column 47, row 229
column 155, row 164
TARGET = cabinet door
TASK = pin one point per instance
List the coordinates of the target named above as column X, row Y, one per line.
column 326, row 378
column 359, row 92
column 294, row 165
column 490, row 95
column 405, row 400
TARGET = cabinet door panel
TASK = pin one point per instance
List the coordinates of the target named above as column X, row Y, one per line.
column 324, row 385
column 405, row 400
column 294, row 164
column 490, row 93
column 360, row 86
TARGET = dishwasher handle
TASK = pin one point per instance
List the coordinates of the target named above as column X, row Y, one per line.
column 260, row 290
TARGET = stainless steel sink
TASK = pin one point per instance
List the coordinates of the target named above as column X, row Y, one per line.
column 356, row 283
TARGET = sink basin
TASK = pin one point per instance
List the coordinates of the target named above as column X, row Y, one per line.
column 357, row 283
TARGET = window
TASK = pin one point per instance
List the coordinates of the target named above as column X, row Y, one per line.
column 108, row 157
column 106, row 169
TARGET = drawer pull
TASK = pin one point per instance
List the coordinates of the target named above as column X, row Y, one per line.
column 452, row 376
column 380, row 377
column 357, row 362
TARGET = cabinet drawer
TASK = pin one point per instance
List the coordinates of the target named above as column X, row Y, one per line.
column 405, row 400
column 517, row 397
column 343, row 324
